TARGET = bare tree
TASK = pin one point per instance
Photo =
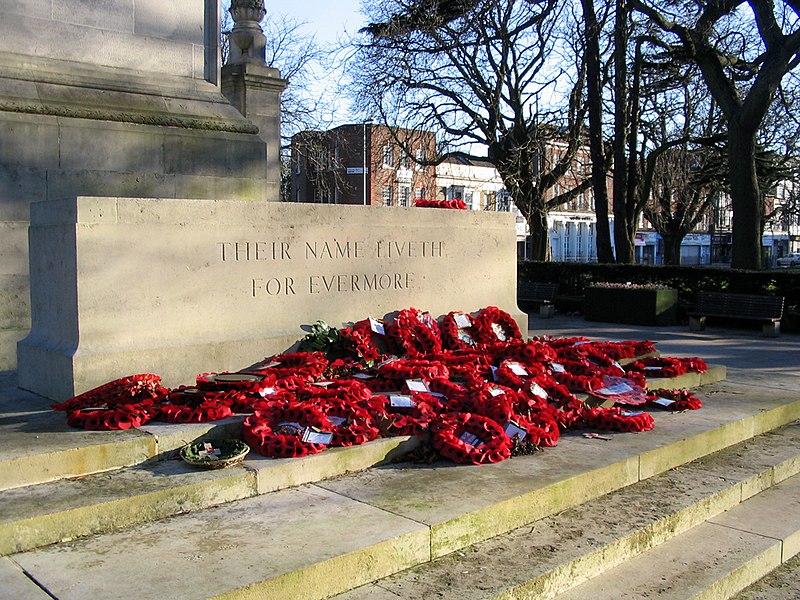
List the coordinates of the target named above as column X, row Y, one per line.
column 473, row 72
column 302, row 61
column 682, row 196
column 744, row 50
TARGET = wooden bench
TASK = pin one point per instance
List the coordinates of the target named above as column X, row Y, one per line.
column 767, row 309
column 543, row 294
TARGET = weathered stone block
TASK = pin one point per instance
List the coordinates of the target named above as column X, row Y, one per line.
column 45, row 39
column 196, row 186
column 19, row 186
column 114, row 15
column 178, row 20
column 119, row 147
column 190, row 154
column 179, row 287
column 29, row 140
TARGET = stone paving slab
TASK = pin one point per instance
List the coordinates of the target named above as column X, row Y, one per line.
column 576, row 470
column 305, row 543
column 780, row 584
column 50, row 512
column 714, row 560
column 15, row 584
column 43, row 514
column 774, row 513
column 550, row 556
column 708, row 562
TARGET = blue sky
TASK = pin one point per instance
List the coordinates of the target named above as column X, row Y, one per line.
column 328, row 19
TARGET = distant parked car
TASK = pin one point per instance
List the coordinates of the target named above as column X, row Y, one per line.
column 790, row 260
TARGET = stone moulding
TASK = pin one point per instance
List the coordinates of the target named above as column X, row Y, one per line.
column 161, row 120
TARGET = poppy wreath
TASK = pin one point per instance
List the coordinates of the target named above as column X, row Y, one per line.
column 541, row 427
column 192, row 405
column 588, row 354
column 571, row 415
column 351, row 424
column 127, row 390
column 468, row 438
column 495, row 325
column 452, row 392
column 291, row 383
column 675, row 400
column 455, row 337
column 253, row 383
column 342, row 368
column 579, row 377
column 557, row 392
column 359, row 340
column 616, row 418
column 567, row 342
column 122, row 416
column 528, row 353
column 278, row 399
column 464, row 357
column 382, row 383
column 414, row 334
column 626, row 349
column 239, row 401
column 309, row 365
column 410, row 420
column 505, row 374
column 410, row 368
column 455, row 203
column 349, row 391
column 664, row 366
column 278, row 432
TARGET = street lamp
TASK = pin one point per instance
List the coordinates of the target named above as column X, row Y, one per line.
column 366, row 165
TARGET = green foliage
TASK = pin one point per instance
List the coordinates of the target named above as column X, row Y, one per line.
column 573, row 278
column 322, row 338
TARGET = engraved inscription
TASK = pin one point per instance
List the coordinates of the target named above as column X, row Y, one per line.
column 269, row 284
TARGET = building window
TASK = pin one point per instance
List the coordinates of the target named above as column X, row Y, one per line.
column 468, row 196
column 420, row 158
column 404, row 161
column 388, row 157
column 387, row 195
column 503, row 201
column 404, row 195
column 420, row 193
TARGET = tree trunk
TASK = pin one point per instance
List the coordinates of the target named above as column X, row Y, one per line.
column 622, row 240
column 540, row 236
column 672, row 249
column 745, row 198
column 605, row 253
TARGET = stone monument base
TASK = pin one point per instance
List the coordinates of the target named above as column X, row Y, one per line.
column 180, row 287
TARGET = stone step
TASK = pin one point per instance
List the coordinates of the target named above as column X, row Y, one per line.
column 716, row 559
column 34, row 516
column 66, row 509
column 38, row 445
column 635, row 543
column 780, row 584
column 61, row 452
column 315, row 541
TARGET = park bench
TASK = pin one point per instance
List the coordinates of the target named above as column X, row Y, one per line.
column 766, row 309
column 543, row 294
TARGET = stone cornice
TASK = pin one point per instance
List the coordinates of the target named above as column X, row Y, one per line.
column 157, row 119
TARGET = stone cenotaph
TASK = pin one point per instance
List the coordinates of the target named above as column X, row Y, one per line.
column 155, row 239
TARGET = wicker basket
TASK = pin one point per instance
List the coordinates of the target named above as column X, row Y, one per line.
column 215, row 454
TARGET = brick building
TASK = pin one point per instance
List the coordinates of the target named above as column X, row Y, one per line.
column 362, row 164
